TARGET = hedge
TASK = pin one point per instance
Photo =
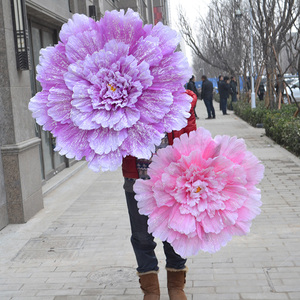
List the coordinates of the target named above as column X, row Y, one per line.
column 280, row 125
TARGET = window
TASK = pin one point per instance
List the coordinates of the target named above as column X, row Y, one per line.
column 51, row 161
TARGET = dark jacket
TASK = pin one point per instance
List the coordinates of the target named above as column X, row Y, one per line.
column 129, row 162
column 207, row 90
column 192, row 87
column 224, row 89
column 261, row 89
column 233, row 86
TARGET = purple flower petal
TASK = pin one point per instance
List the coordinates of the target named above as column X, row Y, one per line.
column 168, row 72
column 115, row 87
column 103, row 141
column 179, row 112
column 78, row 24
column 82, row 44
column 107, row 162
column 60, row 104
column 126, row 28
column 155, row 105
column 53, row 64
column 84, row 121
column 38, row 106
column 72, row 142
column 141, row 140
column 168, row 38
column 147, row 50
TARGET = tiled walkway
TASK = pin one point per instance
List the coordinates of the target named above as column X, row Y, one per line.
column 78, row 247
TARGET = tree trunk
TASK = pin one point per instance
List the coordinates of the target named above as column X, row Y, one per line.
column 270, row 64
column 299, row 69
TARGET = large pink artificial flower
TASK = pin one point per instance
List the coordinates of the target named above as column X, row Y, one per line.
column 111, row 88
column 201, row 192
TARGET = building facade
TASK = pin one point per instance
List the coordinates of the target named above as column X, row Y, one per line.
column 289, row 54
column 27, row 158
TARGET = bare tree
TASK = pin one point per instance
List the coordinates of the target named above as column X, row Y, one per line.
column 273, row 21
column 200, row 67
column 290, row 52
column 211, row 43
column 222, row 40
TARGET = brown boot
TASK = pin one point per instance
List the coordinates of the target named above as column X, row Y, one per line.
column 149, row 285
column 176, row 282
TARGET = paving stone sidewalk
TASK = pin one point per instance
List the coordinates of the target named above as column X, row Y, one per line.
column 78, row 246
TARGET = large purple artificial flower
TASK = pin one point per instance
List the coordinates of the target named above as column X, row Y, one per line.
column 111, row 88
column 201, row 192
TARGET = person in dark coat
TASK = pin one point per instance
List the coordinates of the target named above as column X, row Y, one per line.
column 261, row 92
column 192, row 87
column 233, row 87
column 224, row 90
column 207, row 96
column 221, row 78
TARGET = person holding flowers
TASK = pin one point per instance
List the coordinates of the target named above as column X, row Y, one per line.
column 142, row 241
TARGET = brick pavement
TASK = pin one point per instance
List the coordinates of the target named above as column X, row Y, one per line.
column 78, row 246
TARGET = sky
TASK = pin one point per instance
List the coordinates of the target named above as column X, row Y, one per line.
column 192, row 9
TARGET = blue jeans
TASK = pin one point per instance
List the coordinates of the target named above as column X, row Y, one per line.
column 210, row 107
column 143, row 242
column 223, row 102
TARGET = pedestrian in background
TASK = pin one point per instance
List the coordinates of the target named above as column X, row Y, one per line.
column 207, row 96
column 261, row 92
column 233, row 87
column 224, row 90
column 192, row 87
column 221, row 78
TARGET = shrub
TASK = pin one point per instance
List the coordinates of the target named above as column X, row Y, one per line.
column 252, row 116
column 284, row 128
column 216, row 97
column 280, row 125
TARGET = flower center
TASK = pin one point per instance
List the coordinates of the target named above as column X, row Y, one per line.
column 198, row 189
column 112, row 88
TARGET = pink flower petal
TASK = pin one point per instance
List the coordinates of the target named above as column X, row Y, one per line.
column 184, row 224
column 158, row 222
column 162, row 198
column 201, row 192
column 146, row 202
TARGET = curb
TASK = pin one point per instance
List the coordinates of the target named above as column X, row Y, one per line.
column 61, row 177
